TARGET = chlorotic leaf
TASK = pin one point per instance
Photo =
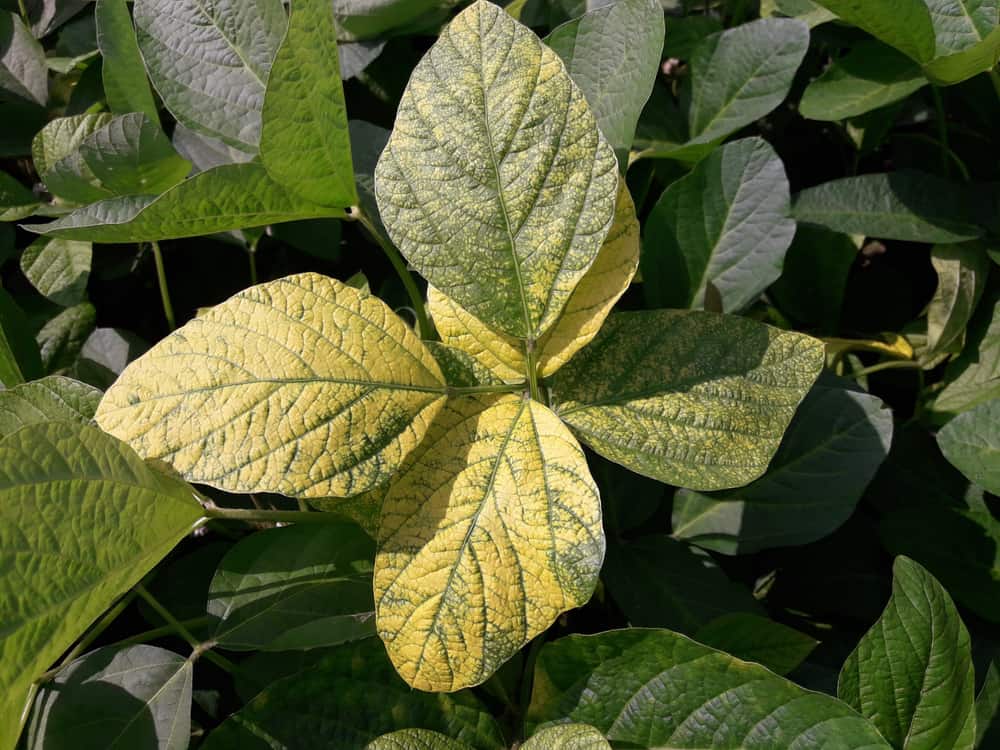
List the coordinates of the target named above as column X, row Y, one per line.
column 496, row 183
column 50, row 399
column 304, row 142
column 754, row 638
column 123, row 74
column 58, row 269
column 690, row 398
column 415, row 739
column 303, row 386
column 903, row 24
column 567, row 737
column 485, row 538
column 971, row 442
column 502, row 355
column 912, row 673
column 94, row 519
column 658, row 689
column 962, row 271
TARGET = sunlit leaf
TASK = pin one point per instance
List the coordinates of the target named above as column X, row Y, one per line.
column 122, row 71
column 58, row 269
column 50, row 399
column 971, row 442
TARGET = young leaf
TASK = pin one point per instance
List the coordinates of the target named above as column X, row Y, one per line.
column 58, row 269
column 124, row 77
column 870, row 76
column 233, row 196
column 492, row 137
column 19, row 356
column 490, row 533
column 912, row 673
column 302, row 386
column 415, row 739
column 567, row 737
column 61, row 339
column 903, row 205
column 93, row 518
column 828, row 455
column 690, row 398
column 23, row 72
column 971, row 442
column 962, row 271
column 974, row 376
column 297, row 587
column 657, row 689
column 304, row 142
column 613, row 53
column 725, row 224
column 903, row 24
column 130, row 697
column 50, row 399
column 967, row 38
column 210, row 62
column 754, row 638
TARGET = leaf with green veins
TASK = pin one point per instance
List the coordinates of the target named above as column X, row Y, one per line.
column 94, row 519
column 304, row 142
column 50, row 399
column 298, row 587
column 58, row 269
column 61, row 137
column 726, row 223
column 694, row 399
column 828, row 455
column 415, row 739
column 962, row 270
column 23, row 72
column 754, row 638
column 233, row 196
column 19, row 356
column 16, row 201
column 493, row 137
column 974, row 376
column 223, row 410
column 613, row 53
column 567, row 737
column 661, row 582
column 205, row 152
column 912, row 673
column 904, row 205
column 804, row 10
column 971, row 443
column 967, row 36
column 657, row 689
column 367, row 143
column 61, row 339
column 117, row 698
column 347, row 699
column 869, row 76
column 903, row 24
column 123, row 74
column 490, row 533
column 210, row 62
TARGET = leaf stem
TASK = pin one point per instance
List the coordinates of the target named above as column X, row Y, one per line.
column 894, row 365
column 252, row 257
column 466, row 390
column 161, row 277
column 24, row 12
column 531, row 363
column 942, row 123
column 270, row 516
column 151, row 635
column 199, row 648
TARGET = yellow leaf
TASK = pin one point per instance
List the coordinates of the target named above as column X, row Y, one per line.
column 490, row 532
column 303, row 386
column 891, row 345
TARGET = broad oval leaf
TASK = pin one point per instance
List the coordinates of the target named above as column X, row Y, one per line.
column 971, row 443
column 58, row 269
column 904, row 24
column 658, row 689
column 755, row 638
column 50, row 399
column 93, row 518
column 567, row 737
column 962, row 270
column 210, row 61
column 488, row 535
column 122, row 72
column 496, row 183
column 303, row 386
column 912, row 673
column 415, row 739
column 690, row 398
column 116, row 698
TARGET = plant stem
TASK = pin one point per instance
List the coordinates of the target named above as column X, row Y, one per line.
column 531, row 363
column 151, row 635
column 272, row 516
column 24, row 12
column 199, row 648
column 252, row 256
column 528, row 679
column 894, row 365
column 995, row 77
column 161, row 277
column 465, row 390
column 942, row 122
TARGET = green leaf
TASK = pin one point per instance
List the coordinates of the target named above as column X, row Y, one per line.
column 50, row 399
column 117, row 698
column 962, row 271
column 686, row 32
column 62, row 338
column 105, row 354
column 988, row 707
column 210, row 62
column 690, row 398
column 346, row 700
column 23, row 72
column 967, row 36
column 374, row 19
column 660, row 582
column 754, row 638
column 58, row 269
column 16, row 201
column 613, row 53
column 303, row 386
column 974, row 376
column 829, row 454
column 61, row 137
column 725, row 224
column 304, row 142
column 903, row 205
column 205, row 152
column 496, row 183
column 297, row 587
column 93, row 519
column 912, row 673
column 567, row 737
column 233, row 196
column 125, row 83
column 903, row 24
column 19, row 356
column 415, row 739
column 657, row 689
column 489, row 533
column 971, row 442
column 804, row 10
column 869, row 76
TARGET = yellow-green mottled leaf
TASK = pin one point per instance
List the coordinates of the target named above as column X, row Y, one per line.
column 416, row 739
column 303, row 386
column 485, row 538
column 581, row 319
column 496, row 183
column 695, row 399
column 567, row 737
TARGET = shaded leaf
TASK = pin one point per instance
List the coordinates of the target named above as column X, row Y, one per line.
column 122, row 71
column 962, row 271
column 61, row 339
column 16, row 201
column 23, row 72
column 19, row 356
column 567, row 737
column 58, row 269
column 754, row 638
column 415, row 739
column 61, row 137
column 971, row 442
column 974, row 376
column 903, row 24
